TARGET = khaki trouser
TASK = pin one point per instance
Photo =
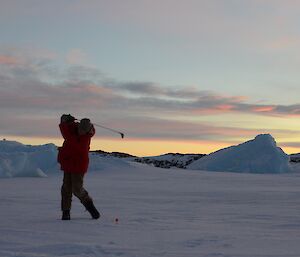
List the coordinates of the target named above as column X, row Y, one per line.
column 73, row 184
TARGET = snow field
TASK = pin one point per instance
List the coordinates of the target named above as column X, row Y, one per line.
column 171, row 213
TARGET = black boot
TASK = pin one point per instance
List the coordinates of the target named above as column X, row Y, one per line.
column 66, row 215
column 92, row 209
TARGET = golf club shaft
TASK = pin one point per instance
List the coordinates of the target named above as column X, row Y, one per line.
column 113, row 130
column 110, row 129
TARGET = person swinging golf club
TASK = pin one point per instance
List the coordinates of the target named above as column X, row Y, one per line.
column 73, row 157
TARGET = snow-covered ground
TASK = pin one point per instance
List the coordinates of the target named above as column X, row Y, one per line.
column 171, row 213
column 161, row 212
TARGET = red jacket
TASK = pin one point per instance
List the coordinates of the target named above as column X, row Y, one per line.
column 73, row 156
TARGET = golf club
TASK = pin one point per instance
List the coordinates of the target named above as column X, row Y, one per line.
column 110, row 129
column 98, row 125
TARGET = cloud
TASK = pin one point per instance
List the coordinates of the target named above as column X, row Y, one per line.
column 8, row 60
column 155, row 128
column 85, row 88
column 29, row 126
column 290, row 144
column 141, row 88
column 136, row 128
column 80, row 73
column 31, row 103
column 38, row 96
column 76, row 57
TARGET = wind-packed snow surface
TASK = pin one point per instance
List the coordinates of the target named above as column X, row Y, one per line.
column 165, row 213
column 260, row 155
column 160, row 212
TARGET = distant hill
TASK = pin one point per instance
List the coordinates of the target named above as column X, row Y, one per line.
column 113, row 154
column 170, row 160
column 166, row 161
column 295, row 157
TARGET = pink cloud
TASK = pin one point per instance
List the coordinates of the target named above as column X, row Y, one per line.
column 226, row 107
column 264, row 108
column 216, row 109
column 9, row 60
column 124, row 105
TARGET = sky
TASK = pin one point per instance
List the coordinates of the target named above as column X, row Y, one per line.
column 189, row 76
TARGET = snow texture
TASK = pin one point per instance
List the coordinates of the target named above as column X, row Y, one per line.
column 165, row 213
column 260, row 155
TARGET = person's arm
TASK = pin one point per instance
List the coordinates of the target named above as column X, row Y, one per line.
column 92, row 131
